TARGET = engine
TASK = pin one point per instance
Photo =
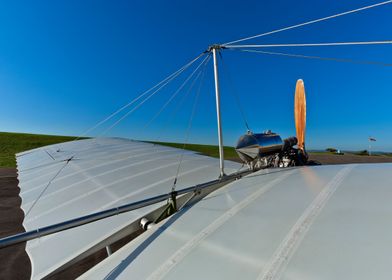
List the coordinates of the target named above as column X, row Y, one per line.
column 268, row 149
column 261, row 150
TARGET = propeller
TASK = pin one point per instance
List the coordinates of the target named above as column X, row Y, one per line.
column 300, row 114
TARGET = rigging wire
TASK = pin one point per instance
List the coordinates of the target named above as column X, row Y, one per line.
column 180, row 103
column 204, row 61
column 320, row 58
column 47, row 186
column 234, row 93
column 385, row 42
column 169, row 101
column 183, row 68
column 137, row 106
column 195, row 103
column 174, row 95
column 309, row 22
column 151, row 95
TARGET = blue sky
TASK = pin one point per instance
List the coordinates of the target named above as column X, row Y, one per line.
column 65, row 65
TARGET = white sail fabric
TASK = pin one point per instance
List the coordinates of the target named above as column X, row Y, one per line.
column 68, row 180
column 323, row 222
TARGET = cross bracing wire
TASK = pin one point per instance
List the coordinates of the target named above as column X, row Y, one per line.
column 180, row 104
column 140, row 104
column 310, row 22
column 164, row 106
column 188, row 131
column 151, row 95
column 174, row 74
column 320, row 57
column 47, row 186
column 203, row 62
column 175, row 94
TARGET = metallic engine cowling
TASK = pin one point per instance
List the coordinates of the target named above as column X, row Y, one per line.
column 250, row 146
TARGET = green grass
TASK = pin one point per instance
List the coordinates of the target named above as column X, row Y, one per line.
column 208, row 150
column 12, row 143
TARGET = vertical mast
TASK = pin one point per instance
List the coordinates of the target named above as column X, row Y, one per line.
column 218, row 114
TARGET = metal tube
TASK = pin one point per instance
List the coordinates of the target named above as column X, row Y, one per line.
column 29, row 235
column 40, row 232
column 217, row 95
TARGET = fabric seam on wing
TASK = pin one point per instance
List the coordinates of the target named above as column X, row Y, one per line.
column 290, row 243
column 170, row 262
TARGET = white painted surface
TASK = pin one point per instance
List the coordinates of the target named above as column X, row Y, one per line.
column 322, row 222
column 103, row 173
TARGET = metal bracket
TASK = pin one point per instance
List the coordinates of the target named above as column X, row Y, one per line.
column 170, row 208
column 216, row 47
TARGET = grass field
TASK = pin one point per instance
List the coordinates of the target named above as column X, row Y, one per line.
column 12, row 143
column 208, row 150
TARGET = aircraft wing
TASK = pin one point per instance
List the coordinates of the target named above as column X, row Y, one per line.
column 72, row 179
column 320, row 222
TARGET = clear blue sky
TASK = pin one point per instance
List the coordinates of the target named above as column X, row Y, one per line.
column 65, row 65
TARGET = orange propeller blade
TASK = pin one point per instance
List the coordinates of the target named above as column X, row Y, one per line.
column 300, row 113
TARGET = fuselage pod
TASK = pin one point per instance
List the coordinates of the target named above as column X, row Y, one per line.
column 251, row 146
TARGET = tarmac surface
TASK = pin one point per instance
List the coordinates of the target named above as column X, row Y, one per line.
column 348, row 158
column 14, row 261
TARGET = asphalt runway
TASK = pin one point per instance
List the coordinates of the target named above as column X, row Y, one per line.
column 348, row 158
column 14, row 261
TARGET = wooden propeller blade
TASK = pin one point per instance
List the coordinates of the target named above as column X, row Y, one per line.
column 300, row 113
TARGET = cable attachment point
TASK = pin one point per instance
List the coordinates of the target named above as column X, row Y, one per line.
column 172, row 202
column 69, row 159
column 216, row 47
column 170, row 208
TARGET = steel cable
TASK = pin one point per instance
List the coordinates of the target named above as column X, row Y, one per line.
column 321, row 58
column 140, row 96
column 175, row 94
column 149, row 96
column 385, row 42
column 195, row 103
column 235, row 95
column 309, row 22
column 179, row 105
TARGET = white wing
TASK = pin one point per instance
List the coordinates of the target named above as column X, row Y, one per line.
column 102, row 173
column 323, row 222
